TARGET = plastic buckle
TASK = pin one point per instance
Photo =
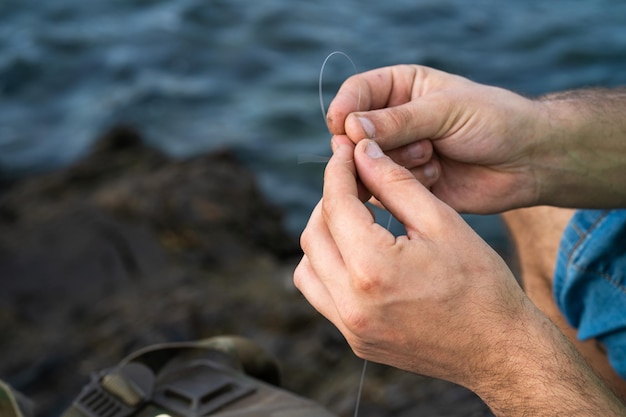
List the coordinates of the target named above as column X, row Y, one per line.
column 94, row 401
column 199, row 390
column 116, row 393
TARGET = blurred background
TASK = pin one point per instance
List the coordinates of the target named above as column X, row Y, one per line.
column 196, row 75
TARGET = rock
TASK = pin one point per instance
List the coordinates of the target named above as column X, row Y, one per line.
column 125, row 224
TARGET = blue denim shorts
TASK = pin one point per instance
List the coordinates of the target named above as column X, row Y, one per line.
column 590, row 280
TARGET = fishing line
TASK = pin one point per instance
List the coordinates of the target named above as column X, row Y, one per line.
column 312, row 158
column 307, row 158
column 320, row 89
column 360, row 390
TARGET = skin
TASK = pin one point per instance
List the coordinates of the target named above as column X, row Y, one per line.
column 487, row 149
column 536, row 235
column 439, row 301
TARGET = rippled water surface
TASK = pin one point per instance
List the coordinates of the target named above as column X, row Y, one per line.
column 194, row 75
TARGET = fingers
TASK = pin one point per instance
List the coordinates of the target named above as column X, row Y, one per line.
column 348, row 220
column 358, row 93
column 306, row 279
column 413, row 154
column 423, row 118
column 418, row 157
column 396, row 188
column 428, row 173
column 319, row 246
column 375, row 89
column 398, row 105
column 321, row 274
column 336, row 232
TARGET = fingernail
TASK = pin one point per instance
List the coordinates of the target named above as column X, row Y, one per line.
column 373, row 150
column 430, row 170
column 416, row 150
column 367, row 126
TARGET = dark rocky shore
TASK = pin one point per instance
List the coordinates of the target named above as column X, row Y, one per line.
column 128, row 248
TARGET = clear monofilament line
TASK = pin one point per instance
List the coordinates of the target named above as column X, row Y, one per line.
column 321, row 77
column 360, row 391
column 307, row 158
column 312, row 158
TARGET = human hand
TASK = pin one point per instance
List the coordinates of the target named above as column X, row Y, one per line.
column 433, row 301
column 437, row 301
column 472, row 144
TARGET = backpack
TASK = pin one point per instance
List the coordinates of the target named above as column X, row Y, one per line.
column 226, row 376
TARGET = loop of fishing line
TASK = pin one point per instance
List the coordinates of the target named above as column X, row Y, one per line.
column 320, row 83
column 306, row 158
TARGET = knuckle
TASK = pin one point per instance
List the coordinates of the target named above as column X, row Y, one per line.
column 298, row 275
column 329, row 208
column 397, row 174
column 367, row 280
column 366, row 283
column 359, row 348
column 304, row 241
column 362, row 334
column 357, row 320
column 363, row 349
column 400, row 120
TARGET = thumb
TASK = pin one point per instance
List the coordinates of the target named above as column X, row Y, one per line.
column 396, row 188
column 392, row 127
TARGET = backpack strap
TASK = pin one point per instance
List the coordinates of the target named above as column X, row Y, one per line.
column 12, row 404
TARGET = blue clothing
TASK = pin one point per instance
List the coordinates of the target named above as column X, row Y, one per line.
column 590, row 280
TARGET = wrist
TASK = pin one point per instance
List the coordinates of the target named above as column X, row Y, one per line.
column 534, row 370
column 578, row 160
column 556, row 165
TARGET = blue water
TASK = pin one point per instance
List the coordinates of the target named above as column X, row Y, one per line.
column 195, row 75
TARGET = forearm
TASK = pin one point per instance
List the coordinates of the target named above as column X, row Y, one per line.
column 582, row 160
column 539, row 373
